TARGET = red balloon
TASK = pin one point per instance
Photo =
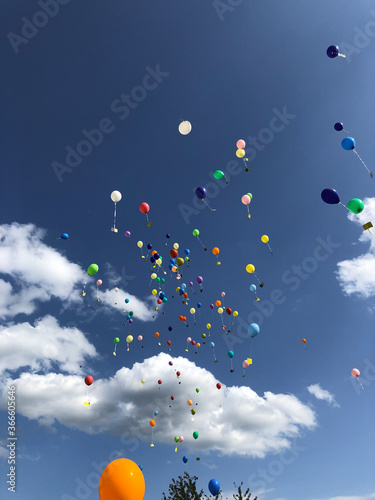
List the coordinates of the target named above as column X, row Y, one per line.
column 172, row 398
column 193, row 342
column 160, row 382
column 173, row 253
column 229, row 311
column 168, row 342
column 144, row 208
column 159, row 301
column 178, row 374
column 89, row 380
column 218, row 385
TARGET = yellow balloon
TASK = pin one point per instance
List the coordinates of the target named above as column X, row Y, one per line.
column 176, row 246
column 140, row 244
column 129, row 339
column 220, row 310
column 208, row 326
column 235, row 314
column 178, row 289
column 203, row 335
column 158, row 262
column 154, row 292
column 240, row 153
column 265, row 238
column 192, row 310
column 153, row 276
column 143, row 381
column 180, row 261
column 250, row 268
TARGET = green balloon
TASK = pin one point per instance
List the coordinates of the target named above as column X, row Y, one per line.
column 162, row 280
column 196, row 232
column 117, row 340
column 92, row 269
column 197, row 390
column 131, row 313
column 195, row 435
column 192, row 411
column 186, row 258
column 218, row 174
column 176, row 439
column 250, row 196
column 356, row 206
column 157, row 279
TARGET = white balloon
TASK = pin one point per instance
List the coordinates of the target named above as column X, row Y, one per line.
column 116, row 289
column 116, row 196
column 184, row 128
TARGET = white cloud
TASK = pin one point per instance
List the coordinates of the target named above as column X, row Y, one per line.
column 320, row 393
column 143, row 311
column 37, row 272
column 38, row 347
column 357, row 276
column 232, row 420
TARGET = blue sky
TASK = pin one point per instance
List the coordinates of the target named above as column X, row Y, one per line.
column 297, row 426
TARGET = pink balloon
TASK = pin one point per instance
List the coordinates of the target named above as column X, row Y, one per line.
column 240, row 144
column 355, row 372
column 188, row 339
column 140, row 337
column 180, row 439
column 223, row 294
column 246, row 199
column 245, row 364
column 99, row 282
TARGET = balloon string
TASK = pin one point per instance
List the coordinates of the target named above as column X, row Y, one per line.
column 212, row 209
column 360, row 384
column 114, row 218
column 270, row 248
column 363, row 163
column 344, row 206
column 257, row 277
column 245, row 160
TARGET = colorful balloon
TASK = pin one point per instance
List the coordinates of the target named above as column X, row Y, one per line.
column 253, row 330
column 338, row 126
column 356, row 206
column 144, row 208
column 214, row 486
column 241, row 144
column 89, row 380
column 122, row 479
column 330, row 196
column 250, row 268
column 348, row 143
column 355, row 372
column 92, row 269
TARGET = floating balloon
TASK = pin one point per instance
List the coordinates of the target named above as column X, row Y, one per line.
column 89, row 380
column 92, row 269
column 253, row 330
column 334, row 51
column 115, row 197
column 338, row 127
column 64, row 236
column 218, row 174
column 265, row 239
column 330, row 196
column 196, row 234
column 349, row 145
column 99, row 282
column 355, row 372
column 246, row 201
column 201, row 193
column 145, row 208
column 240, row 153
column 195, row 435
column 218, row 385
column 184, row 128
column 185, row 459
column 241, row 144
column 214, row 487
column 356, row 206
column 304, row 341
column 122, row 479
column 251, row 270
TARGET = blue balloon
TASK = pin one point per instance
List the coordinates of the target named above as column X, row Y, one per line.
column 149, row 246
column 338, row 126
column 161, row 295
column 183, row 285
column 156, row 412
column 330, row 196
column 170, row 266
column 187, row 251
column 126, row 301
column 214, row 487
column 348, row 143
column 172, row 261
column 199, row 305
column 333, row 51
column 212, row 344
column 64, row 236
column 182, row 291
column 185, row 459
column 253, row 288
column 201, row 193
column 165, row 299
column 152, row 259
column 230, row 354
column 170, row 328
column 168, row 235
column 141, row 467
column 253, row 330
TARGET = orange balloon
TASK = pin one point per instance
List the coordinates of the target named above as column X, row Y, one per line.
column 190, row 402
column 122, row 479
column 215, row 251
column 153, row 252
column 168, row 342
column 218, row 303
column 174, row 269
column 152, row 423
column 157, row 334
column 198, row 345
column 185, row 295
column 173, row 253
column 304, row 341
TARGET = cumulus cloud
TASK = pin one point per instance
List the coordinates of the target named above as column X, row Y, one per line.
column 357, row 276
column 32, row 272
column 231, row 421
column 42, row 346
column 320, row 393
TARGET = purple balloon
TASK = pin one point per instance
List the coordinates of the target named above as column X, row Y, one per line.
column 201, row 192
column 170, row 363
column 330, row 196
column 211, row 306
column 131, row 320
column 338, row 126
column 199, row 280
column 127, row 233
column 190, row 283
